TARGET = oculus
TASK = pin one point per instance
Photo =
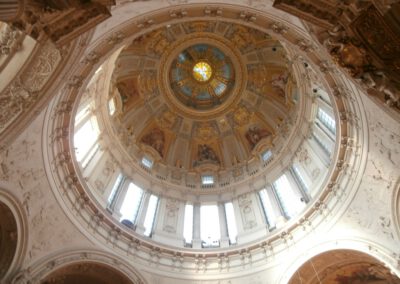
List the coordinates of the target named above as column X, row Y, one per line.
column 202, row 71
column 202, row 76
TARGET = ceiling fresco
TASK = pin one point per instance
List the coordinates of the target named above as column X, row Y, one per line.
column 212, row 90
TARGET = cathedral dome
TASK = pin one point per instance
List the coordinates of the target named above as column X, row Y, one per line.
column 195, row 100
column 205, row 116
column 176, row 142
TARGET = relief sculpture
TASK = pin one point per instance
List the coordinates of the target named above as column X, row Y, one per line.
column 206, row 153
column 278, row 83
column 247, row 212
column 171, row 216
column 156, row 140
column 255, row 134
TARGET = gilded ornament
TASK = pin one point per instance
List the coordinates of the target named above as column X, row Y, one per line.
column 167, row 120
column 201, row 76
column 155, row 139
column 206, row 132
column 241, row 116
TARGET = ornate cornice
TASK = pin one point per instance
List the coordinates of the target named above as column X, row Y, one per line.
column 361, row 40
column 35, row 84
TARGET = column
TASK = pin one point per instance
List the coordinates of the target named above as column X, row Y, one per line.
column 238, row 217
column 142, row 213
column 181, row 219
column 279, row 213
column 196, row 226
column 159, row 218
column 224, row 241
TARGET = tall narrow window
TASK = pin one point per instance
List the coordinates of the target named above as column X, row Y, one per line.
column 231, row 222
column 268, row 209
column 116, row 186
column 300, row 179
column 209, row 225
column 188, row 224
column 290, row 202
column 111, row 106
column 131, row 204
column 322, row 143
column 85, row 137
column 150, row 215
column 327, row 120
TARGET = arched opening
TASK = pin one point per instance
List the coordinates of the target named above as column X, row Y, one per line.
column 342, row 267
column 8, row 238
column 87, row 272
column 396, row 208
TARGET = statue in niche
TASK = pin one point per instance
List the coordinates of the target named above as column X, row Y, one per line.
column 206, row 153
column 278, row 83
column 156, row 140
column 255, row 134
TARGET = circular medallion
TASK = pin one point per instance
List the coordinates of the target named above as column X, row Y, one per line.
column 202, row 76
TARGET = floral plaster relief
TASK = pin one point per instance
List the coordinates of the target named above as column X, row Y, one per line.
column 22, row 166
column 379, row 178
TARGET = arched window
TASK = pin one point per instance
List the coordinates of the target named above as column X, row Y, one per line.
column 290, row 202
column 267, row 209
column 300, row 179
column 188, row 224
column 326, row 120
column 209, row 225
column 130, row 206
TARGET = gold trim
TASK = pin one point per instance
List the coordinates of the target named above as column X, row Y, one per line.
column 239, row 68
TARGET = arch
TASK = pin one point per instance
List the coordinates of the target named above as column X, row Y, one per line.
column 396, row 208
column 342, row 255
column 343, row 266
column 13, row 235
column 86, row 272
column 80, row 266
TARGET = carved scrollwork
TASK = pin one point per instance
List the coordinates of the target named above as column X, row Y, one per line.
column 10, row 40
column 360, row 40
